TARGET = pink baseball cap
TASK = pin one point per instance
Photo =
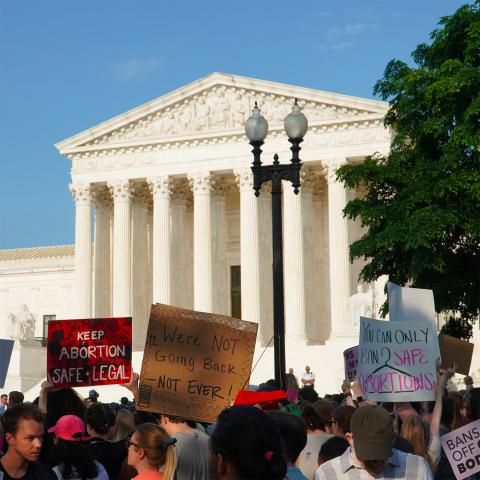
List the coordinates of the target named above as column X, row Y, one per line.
column 69, row 427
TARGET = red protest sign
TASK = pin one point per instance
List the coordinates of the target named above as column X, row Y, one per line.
column 95, row 351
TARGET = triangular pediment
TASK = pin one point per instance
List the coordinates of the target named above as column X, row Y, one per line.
column 218, row 104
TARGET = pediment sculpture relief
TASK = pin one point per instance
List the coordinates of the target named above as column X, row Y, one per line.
column 216, row 109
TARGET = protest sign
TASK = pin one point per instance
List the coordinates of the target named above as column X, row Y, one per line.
column 350, row 357
column 6, row 347
column 408, row 304
column 453, row 350
column 194, row 363
column 88, row 352
column 462, row 447
column 396, row 360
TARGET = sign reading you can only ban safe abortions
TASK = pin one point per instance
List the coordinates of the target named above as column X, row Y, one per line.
column 396, row 360
column 89, row 352
column 194, row 363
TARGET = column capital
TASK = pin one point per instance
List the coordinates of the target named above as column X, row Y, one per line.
column 160, row 187
column 180, row 190
column 141, row 194
column 200, row 182
column 82, row 193
column 307, row 179
column 120, row 190
column 221, row 186
column 332, row 167
column 244, row 179
column 101, row 197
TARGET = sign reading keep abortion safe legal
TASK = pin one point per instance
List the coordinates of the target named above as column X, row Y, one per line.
column 396, row 360
column 84, row 353
column 194, row 363
column 462, row 447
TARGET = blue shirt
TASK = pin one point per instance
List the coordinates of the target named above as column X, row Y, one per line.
column 294, row 473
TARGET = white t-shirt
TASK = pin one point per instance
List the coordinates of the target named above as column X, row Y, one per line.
column 308, row 376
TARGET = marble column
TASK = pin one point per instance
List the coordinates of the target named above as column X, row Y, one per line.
column 219, row 259
column 140, row 300
column 179, row 246
column 310, row 244
column 201, row 184
column 83, row 250
column 101, row 255
column 266, row 262
column 321, row 259
column 161, row 191
column 338, row 244
column 122, row 249
column 188, row 285
column 150, row 252
column 249, row 247
column 294, row 264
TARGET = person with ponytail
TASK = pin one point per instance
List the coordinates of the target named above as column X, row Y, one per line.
column 246, row 444
column 151, row 452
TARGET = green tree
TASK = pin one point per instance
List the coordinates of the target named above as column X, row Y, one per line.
column 421, row 204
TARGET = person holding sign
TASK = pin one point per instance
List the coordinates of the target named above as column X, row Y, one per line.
column 149, row 450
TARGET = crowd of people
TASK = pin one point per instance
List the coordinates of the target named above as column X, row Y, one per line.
column 266, row 434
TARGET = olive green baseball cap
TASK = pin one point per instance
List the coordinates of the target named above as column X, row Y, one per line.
column 372, row 432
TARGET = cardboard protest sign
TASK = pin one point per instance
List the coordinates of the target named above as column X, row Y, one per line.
column 396, row 360
column 6, row 347
column 408, row 304
column 462, row 447
column 453, row 350
column 89, row 352
column 194, row 363
column 350, row 357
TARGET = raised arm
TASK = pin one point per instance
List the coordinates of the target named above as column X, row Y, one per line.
column 347, row 391
column 45, row 388
column 442, row 379
column 132, row 385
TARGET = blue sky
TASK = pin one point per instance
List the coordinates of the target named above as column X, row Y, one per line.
column 66, row 66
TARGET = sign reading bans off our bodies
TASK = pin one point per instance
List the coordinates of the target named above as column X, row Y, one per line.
column 396, row 360
column 89, row 352
column 194, row 363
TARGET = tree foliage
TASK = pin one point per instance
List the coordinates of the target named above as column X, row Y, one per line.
column 422, row 201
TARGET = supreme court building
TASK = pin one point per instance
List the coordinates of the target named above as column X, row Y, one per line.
column 166, row 212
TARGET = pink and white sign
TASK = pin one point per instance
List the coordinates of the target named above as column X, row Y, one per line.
column 396, row 360
column 462, row 447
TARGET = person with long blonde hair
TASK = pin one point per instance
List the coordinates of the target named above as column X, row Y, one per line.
column 151, row 451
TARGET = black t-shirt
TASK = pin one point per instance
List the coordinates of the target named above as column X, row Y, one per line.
column 35, row 471
column 110, row 454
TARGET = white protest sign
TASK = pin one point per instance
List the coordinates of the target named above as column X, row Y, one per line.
column 462, row 447
column 396, row 360
column 407, row 304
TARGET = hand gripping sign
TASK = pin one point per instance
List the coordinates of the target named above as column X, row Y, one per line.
column 83, row 353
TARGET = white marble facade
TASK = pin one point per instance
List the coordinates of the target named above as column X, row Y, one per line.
column 165, row 207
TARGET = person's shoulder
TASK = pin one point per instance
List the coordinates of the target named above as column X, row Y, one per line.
column 42, row 471
column 329, row 470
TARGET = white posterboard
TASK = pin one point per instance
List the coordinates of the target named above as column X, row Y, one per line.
column 410, row 304
column 396, row 360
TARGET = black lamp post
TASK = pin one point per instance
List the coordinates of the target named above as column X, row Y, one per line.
column 256, row 128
